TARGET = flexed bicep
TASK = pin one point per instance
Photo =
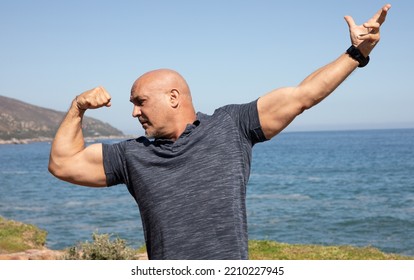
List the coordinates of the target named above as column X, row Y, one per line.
column 84, row 168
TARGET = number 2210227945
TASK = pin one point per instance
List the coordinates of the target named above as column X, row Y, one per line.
column 254, row 270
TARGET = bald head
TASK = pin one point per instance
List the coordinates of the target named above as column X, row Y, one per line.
column 162, row 103
column 161, row 80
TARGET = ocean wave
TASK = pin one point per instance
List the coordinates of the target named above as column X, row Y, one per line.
column 368, row 223
column 17, row 172
column 296, row 196
column 28, row 208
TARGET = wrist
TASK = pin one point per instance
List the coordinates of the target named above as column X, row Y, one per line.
column 76, row 105
column 356, row 54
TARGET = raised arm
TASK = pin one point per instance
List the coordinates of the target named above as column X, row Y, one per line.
column 69, row 159
column 279, row 108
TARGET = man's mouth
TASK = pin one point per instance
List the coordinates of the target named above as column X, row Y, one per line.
column 144, row 123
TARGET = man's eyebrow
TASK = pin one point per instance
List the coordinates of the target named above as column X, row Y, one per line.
column 137, row 99
column 131, row 98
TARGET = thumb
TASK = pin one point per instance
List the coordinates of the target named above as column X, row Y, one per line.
column 350, row 21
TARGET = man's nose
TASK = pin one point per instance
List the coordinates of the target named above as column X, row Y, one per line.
column 136, row 112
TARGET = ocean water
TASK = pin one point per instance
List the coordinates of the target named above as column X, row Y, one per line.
column 330, row 188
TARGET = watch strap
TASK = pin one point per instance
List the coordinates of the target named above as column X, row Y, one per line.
column 356, row 54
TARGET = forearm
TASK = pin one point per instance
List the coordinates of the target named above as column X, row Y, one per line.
column 325, row 80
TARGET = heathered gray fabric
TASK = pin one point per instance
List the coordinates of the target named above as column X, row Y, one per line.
column 191, row 193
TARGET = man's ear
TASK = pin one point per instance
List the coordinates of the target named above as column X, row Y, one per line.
column 174, row 98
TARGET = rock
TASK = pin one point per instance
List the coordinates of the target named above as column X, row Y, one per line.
column 142, row 256
column 46, row 254
column 34, row 254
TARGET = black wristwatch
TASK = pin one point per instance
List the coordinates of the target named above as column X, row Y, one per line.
column 356, row 54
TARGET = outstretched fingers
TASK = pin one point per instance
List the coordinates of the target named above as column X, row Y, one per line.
column 381, row 14
column 373, row 25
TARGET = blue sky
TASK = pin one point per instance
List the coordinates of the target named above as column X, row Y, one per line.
column 229, row 52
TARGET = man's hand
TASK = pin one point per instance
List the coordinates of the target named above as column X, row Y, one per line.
column 93, row 99
column 367, row 35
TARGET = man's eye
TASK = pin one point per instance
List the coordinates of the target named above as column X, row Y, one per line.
column 137, row 102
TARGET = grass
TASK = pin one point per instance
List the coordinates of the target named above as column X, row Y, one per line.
column 17, row 236
column 270, row 250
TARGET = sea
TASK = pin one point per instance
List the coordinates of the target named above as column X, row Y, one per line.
column 328, row 188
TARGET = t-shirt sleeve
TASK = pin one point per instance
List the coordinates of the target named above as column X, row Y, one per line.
column 114, row 163
column 246, row 117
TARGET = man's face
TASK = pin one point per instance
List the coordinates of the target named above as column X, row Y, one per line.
column 151, row 109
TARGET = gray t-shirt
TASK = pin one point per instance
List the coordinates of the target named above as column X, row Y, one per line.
column 191, row 193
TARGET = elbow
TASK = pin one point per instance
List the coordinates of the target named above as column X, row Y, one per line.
column 52, row 168
column 302, row 106
column 305, row 106
column 300, row 101
column 56, row 169
column 307, row 103
column 308, row 97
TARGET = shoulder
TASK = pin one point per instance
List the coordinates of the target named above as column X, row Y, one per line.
column 123, row 146
column 246, row 112
column 245, row 117
column 235, row 108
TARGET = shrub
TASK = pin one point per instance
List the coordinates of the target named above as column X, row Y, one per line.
column 102, row 248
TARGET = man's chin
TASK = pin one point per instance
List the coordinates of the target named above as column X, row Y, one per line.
column 150, row 134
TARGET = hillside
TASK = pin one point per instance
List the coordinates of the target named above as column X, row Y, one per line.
column 19, row 120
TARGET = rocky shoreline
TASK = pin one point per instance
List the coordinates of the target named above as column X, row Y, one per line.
column 47, row 139
column 24, row 141
column 47, row 254
column 34, row 254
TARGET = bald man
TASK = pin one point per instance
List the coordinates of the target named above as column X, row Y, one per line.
column 189, row 174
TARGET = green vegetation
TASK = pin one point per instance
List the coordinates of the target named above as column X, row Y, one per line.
column 270, row 250
column 17, row 237
column 102, row 248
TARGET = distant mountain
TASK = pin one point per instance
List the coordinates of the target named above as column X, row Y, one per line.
column 19, row 120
